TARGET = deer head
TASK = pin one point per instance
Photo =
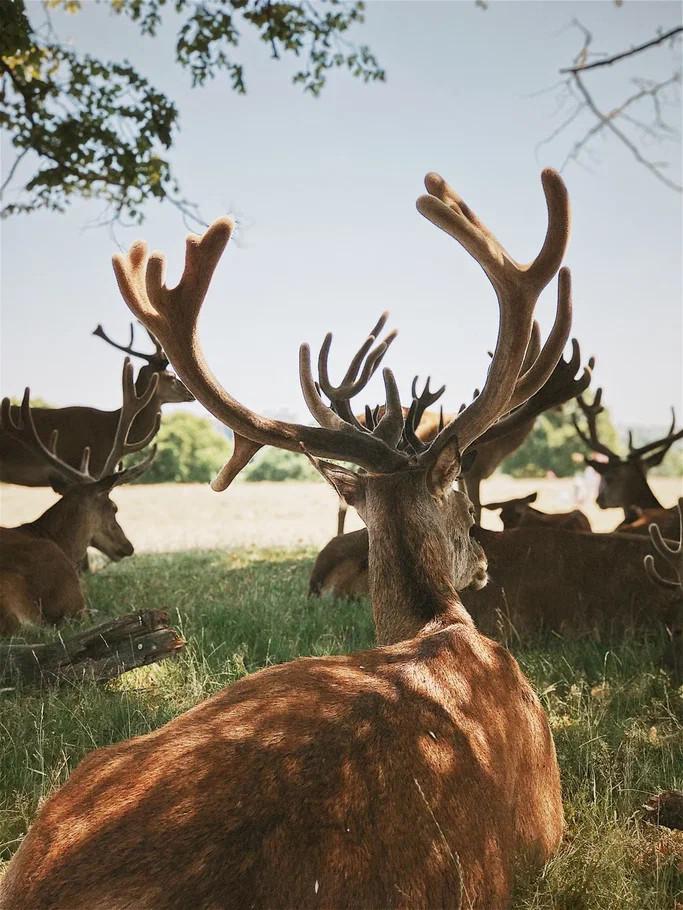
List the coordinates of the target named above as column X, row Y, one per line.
column 623, row 482
column 170, row 389
column 86, row 516
column 512, row 510
column 421, row 551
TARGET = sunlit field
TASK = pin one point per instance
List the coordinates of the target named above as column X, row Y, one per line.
column 617, row 719
column 161, row 518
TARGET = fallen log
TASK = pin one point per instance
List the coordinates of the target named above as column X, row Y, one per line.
column 97, row 654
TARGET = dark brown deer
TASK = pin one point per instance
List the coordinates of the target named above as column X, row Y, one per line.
column 579, row 594
column 518, row 513
column 623, row 480
column 81, row 427
column 412, row 775
column 39, row 561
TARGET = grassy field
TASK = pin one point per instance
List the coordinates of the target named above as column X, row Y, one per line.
column 618, row 721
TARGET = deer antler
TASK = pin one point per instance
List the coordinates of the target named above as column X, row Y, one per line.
column 171, row 315
column 418, row 406
column 130, row 408
column 591, row 413
column 672, row 555
column 664, row 443
column 517, row 287
column 24, row 431
column 158, row 358
column 561, row 386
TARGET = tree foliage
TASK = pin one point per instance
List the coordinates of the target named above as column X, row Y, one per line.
column 91, row 128
column 553, row 445
column 278, row 464
column 189, row 450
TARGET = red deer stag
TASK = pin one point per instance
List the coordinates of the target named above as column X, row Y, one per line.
column 412, row 775
column 81, row 427
column 623, row 481
column 38, row 561
column 518, row 513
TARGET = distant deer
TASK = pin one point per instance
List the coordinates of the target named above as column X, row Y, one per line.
column 38, row 561
column 81, row 427
column 518, row 513
column 623, row 481
column 415, row 774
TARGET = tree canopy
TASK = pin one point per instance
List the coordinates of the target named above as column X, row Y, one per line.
column 90, row 128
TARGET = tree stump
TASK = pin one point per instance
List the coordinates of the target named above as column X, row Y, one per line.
column 97, row 654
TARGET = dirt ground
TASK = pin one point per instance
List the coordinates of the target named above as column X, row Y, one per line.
column 168, row 517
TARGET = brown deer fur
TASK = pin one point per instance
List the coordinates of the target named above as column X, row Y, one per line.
column 518, row 513
column 38, row 561
column 416, row 774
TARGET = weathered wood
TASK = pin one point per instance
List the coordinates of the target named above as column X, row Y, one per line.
column 97, row 654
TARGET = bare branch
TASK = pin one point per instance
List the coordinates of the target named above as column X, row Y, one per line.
column 608, row 61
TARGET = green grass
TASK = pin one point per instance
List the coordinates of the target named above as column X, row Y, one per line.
column 617, row 719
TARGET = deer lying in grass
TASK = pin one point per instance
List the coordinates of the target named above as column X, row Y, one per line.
column 81, row 427
column 38, row 561
column 518, row 513
column 581, row 595
column 415, row 774
column 623, row 481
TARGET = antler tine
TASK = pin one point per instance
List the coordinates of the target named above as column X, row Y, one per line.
column 673, row 556
column 664, row 443
column 131, row 406
column 517, row 287
column 25, row 432
column 561, row 386
column 350, row 385
column 591, row 412
column 126, row 348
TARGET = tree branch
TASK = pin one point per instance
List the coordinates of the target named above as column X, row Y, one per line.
column 608, row 61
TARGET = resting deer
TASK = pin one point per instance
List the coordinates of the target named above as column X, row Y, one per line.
column 38, row 561
column 518, row 513
column 623, row 481
column 580, row 594
column 415, row 774
column 80, row 427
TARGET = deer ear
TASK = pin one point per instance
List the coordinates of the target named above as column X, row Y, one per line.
column 446, row 468
column 349, row 485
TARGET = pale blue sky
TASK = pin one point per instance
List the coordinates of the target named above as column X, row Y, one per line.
column 325, row 192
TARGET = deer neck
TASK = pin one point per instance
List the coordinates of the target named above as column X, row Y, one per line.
column 65, row 524
column 410, row 577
